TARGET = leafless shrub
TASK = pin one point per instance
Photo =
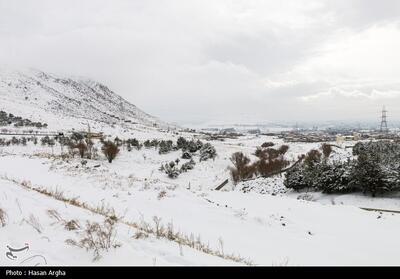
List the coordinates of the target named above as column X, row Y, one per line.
column 259, row 153
column 110, row 150
column 71, row 150
column 283, row 149
column 312, row 157
column 271, row 153
column 271, row 161
column 242, row 169
column 89, row 148
column 3, row 217
column 162, row 195
column 82, row 148
column 268, row 167
column 97, row 237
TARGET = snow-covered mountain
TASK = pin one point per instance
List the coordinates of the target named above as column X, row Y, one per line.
column 67, row 102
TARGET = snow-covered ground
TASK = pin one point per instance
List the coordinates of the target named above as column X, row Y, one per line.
column 259, row 221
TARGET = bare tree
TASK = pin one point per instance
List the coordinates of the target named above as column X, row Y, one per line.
column 82, row 148
column 110, row 150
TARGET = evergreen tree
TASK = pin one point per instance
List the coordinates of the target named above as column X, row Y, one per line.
column 207, row 151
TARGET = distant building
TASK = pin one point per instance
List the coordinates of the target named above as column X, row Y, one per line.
column 354, row 137
column 227, row 131
column 254, row 131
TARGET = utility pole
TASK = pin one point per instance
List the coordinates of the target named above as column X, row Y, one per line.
column 384, row 127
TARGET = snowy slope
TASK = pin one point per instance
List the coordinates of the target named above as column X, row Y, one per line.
column 265, row 229
column 46, row 237
column 268, row 230
column 65, row 102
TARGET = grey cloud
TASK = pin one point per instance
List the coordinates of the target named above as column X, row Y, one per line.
column 199, row 60
column 360, row 14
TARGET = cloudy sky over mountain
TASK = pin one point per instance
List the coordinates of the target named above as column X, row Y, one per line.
column 186, row 60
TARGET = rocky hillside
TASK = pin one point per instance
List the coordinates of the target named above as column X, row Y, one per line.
column 65, row 102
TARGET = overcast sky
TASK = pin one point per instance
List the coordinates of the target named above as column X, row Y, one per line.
column 249, row 61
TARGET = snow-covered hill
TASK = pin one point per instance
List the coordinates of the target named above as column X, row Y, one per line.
column 67, row 102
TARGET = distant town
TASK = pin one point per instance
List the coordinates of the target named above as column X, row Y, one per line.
column 327, row 132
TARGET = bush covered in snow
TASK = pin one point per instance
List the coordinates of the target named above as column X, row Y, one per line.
column 165, row 146
column 188, row 166
column 186, row 155
column 375, row 169
column 207, row 151
column 267, row 144
column 133, row 143
column 182, row 143
column 8, row 119
column 151, row 143
column 189, row 146
column 47, row 141
column 193, row 146
column 171, row 169
column 332, row 177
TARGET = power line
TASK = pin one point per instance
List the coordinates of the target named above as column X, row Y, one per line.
column 384, row 127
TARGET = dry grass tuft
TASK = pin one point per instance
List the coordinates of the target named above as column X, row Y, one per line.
column 55, row 215
column 70, row 225
column 34, row 222
column 97, row 237
column 140, row 235
column 192, row 241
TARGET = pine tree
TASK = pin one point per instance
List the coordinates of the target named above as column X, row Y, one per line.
column 207, row 151
column 171, row 170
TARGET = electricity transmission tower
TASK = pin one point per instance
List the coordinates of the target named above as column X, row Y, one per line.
column 384, row 128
